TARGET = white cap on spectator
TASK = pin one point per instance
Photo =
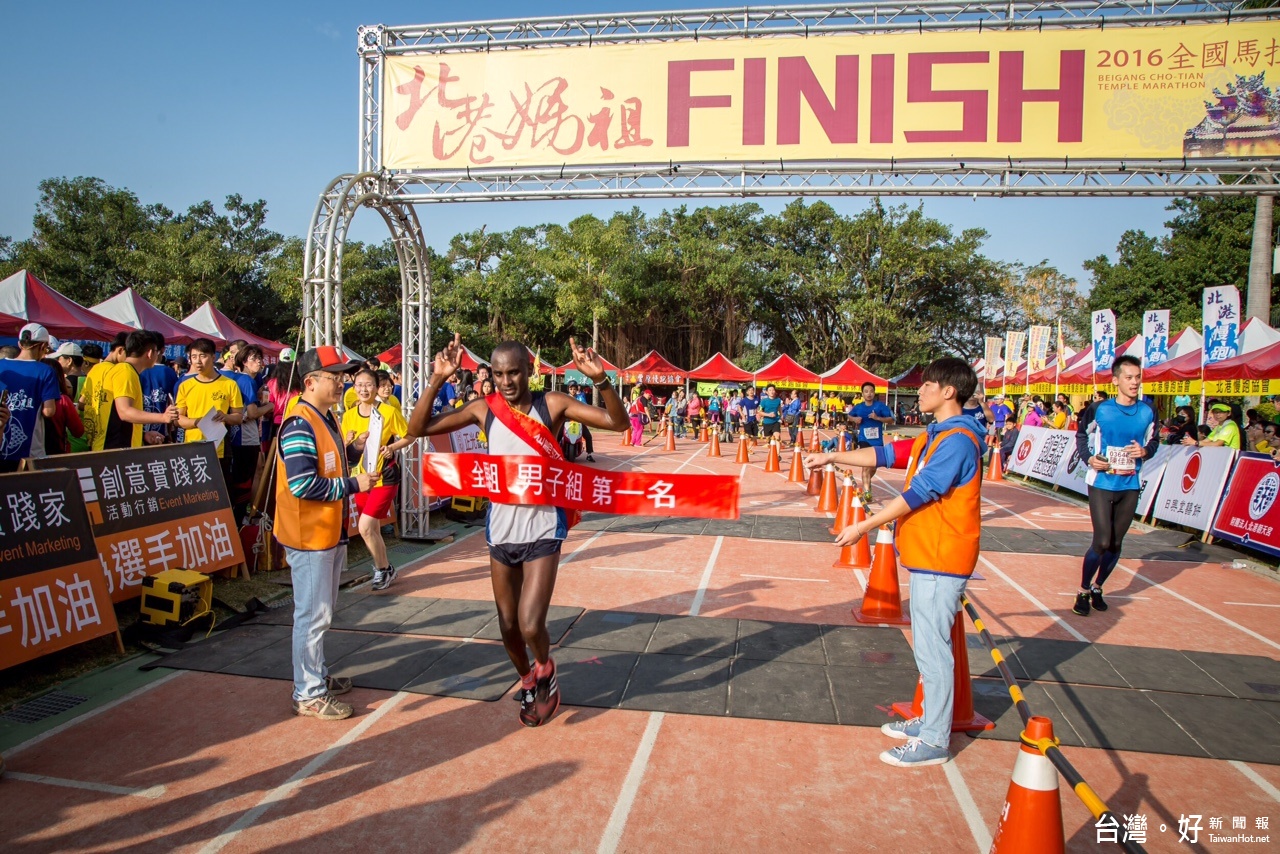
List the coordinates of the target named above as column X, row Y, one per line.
column 32, row 333
column 69, row 348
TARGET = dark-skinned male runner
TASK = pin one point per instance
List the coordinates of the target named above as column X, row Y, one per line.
column 524, row 540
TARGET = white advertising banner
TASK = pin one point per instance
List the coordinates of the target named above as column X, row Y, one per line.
column 1220, row 309
column 1152, row 473
column 1192, row 485
column 466, row 440
column 1027, row 449
column 1104, row 340
column 1155, row 338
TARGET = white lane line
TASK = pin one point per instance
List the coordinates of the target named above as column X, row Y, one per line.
column 785, row 578
column 151, row 793
column 972, row 816
column 1252, row 604
column 622, row 463
column 588, row 541
column 862, row 578
column 629, row 569
column 105, row 707
column 706, row 579
column 1232, row 623
column 889, row 486
column 1109, row 595
column 1013, row 513
column 630, row 786
column 1070, row 629
column 285, row 789
column 692, row 457
column 1262, row 783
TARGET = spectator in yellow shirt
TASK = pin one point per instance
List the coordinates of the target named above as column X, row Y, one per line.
column 207, row 391
column 118, row 407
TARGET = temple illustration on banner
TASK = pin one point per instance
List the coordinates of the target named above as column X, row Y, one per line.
column 1245, row 121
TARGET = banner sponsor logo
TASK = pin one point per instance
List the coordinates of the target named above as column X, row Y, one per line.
column 1191, row 472
column 1125, row 92
column 1250, row 514
column 1220, row 311
column 1192, row 485
column 1050, row 459
column 154, row 508
column 1264, row 496
column 1024, row 450
column 52, row 591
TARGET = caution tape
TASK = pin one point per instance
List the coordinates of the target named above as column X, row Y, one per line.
column 1047, row 746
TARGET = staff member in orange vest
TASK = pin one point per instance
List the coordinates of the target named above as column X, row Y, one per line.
column 940, row 516
column 313, row 485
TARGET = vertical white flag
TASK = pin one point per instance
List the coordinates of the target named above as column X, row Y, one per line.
column 1221, row 313
column 1038, row 350
column 1104, row 340
column 991, row 357
column 1013, row 353
column 1155, row 337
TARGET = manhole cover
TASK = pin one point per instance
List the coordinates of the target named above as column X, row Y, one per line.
column 53, row 703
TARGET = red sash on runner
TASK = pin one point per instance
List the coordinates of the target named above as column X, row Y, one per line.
column 535, row 434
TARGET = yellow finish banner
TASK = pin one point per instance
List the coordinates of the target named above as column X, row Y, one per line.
column 1127, row 92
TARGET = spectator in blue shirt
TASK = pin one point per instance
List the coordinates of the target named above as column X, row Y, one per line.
column 747, row 407
column 33, row 391
column 871, row 416
column 791, row 414
column 159, row 388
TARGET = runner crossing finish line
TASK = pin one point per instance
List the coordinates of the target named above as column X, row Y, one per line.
column 536, row 496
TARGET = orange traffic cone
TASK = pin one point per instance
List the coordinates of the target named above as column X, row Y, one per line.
column 796, row 474
column 702, row 435
column 844, row 443
column 744, row 451
column 815, row 482
column 858, row 555
column 844, row 515
column 671, row 437
column 1032, row 816
column 827, row 497
column 995, row 471
column 882, row 600
column 815, row 443
column 963, row 717
column 626, row 436
column 714, row 449
column 771, row 463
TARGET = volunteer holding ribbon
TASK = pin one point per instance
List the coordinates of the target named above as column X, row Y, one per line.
column 374, row 431
column 524, row 540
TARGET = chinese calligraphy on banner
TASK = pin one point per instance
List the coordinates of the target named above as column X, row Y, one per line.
column 1128, row 92
column 155, row 508
column 1013, row 353
column 1250, row 514
column 537, row 480
column 1038, row 350
column 52, row 593
column 1104, row 340
column 991, row 357
column 1155, row 338
column 1221, row 314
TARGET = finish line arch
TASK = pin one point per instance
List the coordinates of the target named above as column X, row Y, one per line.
column 1035, row 98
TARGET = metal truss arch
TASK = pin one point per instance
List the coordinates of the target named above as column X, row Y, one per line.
column 322, row 297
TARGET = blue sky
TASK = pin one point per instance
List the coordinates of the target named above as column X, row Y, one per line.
column 182, row 102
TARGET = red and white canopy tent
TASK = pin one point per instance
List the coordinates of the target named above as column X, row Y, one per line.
column 1180, row 373
column 911, row 378
column 786, row 371
column 10, row 325
column 653, row 369
column 132, row 310
column 571, row 373
column 720, row 369
column 849, row 376
column 211, row 322
column 24, row 296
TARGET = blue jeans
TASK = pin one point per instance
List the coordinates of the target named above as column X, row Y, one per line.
column 934, row 602
column 315, row 590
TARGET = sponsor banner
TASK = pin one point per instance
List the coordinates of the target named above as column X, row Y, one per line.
column 1250, row 513
column 1192, row 484
column 52, row 591
column 468, row 440
column 1155, row 338
column 1104, row 340
column 1151, row 474
column 540, row 481
column 642, row 378
column 1038, row 350
column 1013, row 342
column 991, row 357
column 1220, row 311
column 1027, row 449
column 154, row 508
column 1171, row 387
column 1240, row 388
column 1072, row 470
column 1088, row 93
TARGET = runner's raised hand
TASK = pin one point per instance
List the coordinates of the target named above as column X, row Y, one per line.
column 587, row 361
column 447, row 360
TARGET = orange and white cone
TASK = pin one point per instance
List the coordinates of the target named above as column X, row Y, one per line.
column 744, row 450
column 882, row 600
column 626, row 436
column 796, row 475
column 827, row 498
column 844, row 516
column 1032, row 816
column 815, row 443
column 671, row 437
column 713, row 450
column 858, row 555
column 844, row 443
column 772, row 463
column 702, row 434
column 995, row 471
column 963, row 716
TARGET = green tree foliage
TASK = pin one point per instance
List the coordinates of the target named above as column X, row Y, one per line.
column 1207, row 245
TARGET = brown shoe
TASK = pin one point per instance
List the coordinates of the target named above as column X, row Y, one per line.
column 325, row 708
column 337, row 685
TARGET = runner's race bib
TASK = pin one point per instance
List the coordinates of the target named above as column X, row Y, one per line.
column 1119, row 461
column 871, row 433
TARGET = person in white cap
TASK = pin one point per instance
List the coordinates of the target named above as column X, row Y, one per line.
column 33, row 391
column 71, row 356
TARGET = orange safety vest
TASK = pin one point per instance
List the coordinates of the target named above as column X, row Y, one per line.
column 306, row 525
column 943, row 536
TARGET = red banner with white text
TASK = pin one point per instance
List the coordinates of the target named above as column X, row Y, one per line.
column 1249, row 513
column 537, row 480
